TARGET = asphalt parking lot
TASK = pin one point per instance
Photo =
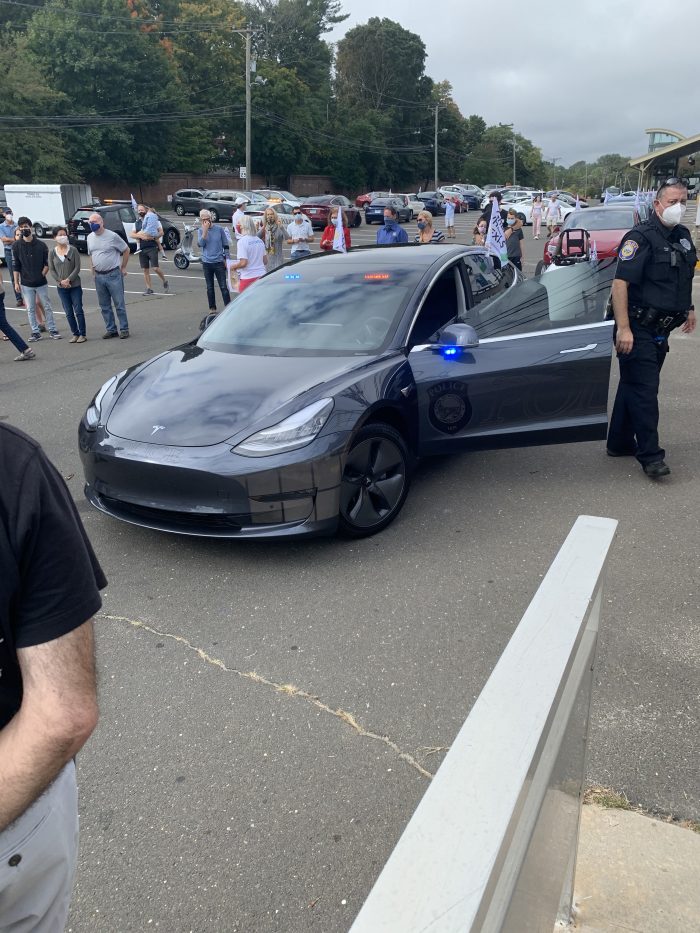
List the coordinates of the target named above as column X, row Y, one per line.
column 271, row 712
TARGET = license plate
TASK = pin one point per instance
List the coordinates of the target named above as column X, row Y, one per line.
column 82, row 236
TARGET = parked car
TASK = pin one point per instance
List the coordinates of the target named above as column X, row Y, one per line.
column 612, row 191
column 523, row 208
column 344, row 388
column 119, row 217
column 374, row 212
column 318, row 210
column 362, row 200
column 470, row 196
column 433, row 201
column 223, row 204
column 276, row 197
column 187, row 201
column 607, row 225
column 414, row 203
column 566, row 196
column 507, row 194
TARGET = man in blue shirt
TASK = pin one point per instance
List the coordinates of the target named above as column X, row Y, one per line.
column 147, row 230
column 215, row 251
column 7, row 238
column 391, row 233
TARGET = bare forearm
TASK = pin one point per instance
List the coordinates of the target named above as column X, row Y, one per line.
column 620, row 305
column 30, row 759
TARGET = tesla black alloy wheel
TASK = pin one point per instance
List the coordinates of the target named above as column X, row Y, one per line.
column 375, row 481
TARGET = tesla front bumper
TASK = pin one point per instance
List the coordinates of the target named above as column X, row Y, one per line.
column 212, row 492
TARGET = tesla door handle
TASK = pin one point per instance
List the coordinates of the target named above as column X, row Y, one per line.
column 589, row 346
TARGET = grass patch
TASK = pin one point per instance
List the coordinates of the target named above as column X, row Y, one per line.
column 606, row 797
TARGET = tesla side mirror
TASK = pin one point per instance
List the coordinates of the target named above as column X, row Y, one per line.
column 459, row 336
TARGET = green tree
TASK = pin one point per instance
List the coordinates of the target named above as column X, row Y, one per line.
column 380, row 67
column 30, row 150
column 123, row 71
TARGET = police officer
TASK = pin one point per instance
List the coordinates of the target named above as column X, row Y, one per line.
column 651, row 294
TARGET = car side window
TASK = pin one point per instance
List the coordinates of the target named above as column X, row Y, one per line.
column 127, row 214
column 485, row 280
column 567, row 296
column 443, row 304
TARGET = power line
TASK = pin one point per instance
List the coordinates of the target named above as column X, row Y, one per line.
column 138, row 21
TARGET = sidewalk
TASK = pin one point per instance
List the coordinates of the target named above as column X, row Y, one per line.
column 636, row 874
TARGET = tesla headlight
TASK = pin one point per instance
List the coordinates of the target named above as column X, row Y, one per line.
column 92, row 415
column 296, row 431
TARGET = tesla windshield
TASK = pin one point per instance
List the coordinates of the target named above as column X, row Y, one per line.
column 297, row 312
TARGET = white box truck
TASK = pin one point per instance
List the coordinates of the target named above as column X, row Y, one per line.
column 47, row 206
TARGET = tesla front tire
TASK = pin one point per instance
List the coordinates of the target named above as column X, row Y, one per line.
column 375, row 481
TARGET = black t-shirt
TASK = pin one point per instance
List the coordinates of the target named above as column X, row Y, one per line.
column 49, row 576
column 29, row 259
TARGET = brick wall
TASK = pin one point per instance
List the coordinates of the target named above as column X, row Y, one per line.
column 157, row 194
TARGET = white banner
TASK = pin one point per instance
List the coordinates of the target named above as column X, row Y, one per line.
column 496, row 238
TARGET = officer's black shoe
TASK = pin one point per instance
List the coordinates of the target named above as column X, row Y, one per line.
column 620, row 453
column 656, row 469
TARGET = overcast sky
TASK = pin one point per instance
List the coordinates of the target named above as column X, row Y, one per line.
column 578, row 79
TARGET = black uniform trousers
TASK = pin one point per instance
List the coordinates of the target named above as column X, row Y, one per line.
column 634, row 422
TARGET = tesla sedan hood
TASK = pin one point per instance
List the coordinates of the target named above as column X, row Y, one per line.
column 191, row 397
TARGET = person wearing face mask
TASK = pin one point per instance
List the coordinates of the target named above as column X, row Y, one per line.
column 30, row 265
column 479, row 233
column 7, row 238
column 299, row 234
column 514, row 238
column 426, row 232
column 147, row 231
column 329, row 233
column 391, row 233
column 651, row 295
column 273, row 235
column 109, row 257
column 64, row 265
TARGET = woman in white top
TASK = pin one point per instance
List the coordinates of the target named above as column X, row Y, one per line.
column 251, row 258
column 537, row 216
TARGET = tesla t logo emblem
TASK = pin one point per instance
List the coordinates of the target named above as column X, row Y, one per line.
column 157, row 427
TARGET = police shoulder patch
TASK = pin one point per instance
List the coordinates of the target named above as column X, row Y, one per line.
column 628, row 249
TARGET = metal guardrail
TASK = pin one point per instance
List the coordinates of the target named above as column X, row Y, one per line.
column 491, row 848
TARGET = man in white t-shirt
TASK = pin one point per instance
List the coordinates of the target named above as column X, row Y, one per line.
column 237, row 220
column 299, row 234
column 552, row 214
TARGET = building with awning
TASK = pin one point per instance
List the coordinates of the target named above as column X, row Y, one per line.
column 670, row 153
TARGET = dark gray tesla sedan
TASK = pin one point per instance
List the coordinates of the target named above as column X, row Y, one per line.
column 304, row 406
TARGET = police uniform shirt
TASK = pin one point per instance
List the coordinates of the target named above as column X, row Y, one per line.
column 658, row 262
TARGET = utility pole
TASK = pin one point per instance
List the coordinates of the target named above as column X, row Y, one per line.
column 437, row 107
column 247, row 32
column 514, row 181
column 248, row 107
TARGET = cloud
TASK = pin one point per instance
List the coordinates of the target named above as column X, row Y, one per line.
column 579, row 82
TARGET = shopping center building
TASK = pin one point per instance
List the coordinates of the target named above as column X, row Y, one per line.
column 669, row 154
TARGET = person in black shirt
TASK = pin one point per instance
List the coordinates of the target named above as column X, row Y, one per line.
column 49, row 591
column 651, row 295
column 495, row 199
column 30, row 260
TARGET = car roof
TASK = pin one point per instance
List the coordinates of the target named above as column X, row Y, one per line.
column 414, row 254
